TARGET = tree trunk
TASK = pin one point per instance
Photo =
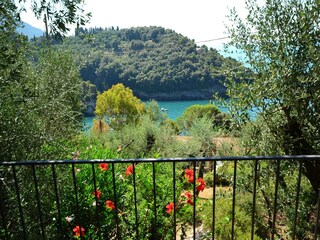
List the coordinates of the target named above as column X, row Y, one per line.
column 298, row 145
column 312, row 170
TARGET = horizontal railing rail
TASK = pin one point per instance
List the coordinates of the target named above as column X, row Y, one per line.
column 137, row 160
column 156, row 198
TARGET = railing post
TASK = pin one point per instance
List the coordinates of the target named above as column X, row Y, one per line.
column 38, row 201
column 194, row 200
column 275, row 202
column 234, row 197
column 318, row 216
column 254, row 197
column 96, row 198
column 214, row 197
column 19, row 201
column 135, row 201
column 77, row 200
column 2, row 205
column 174, row 200
column 115, row 200
column 154, row 198
column 59, row 227
column 297, row 202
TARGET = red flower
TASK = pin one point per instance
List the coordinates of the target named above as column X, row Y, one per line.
column 97, row 193
column 103, row 166
column 79, row 230
column 110, row 204
column 189, row 175
column 129, row 170
column 202, row 185
column 189, row 198
column 169, row 207
column 190, row 202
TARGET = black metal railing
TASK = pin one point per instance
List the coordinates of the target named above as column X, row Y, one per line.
column 50, row 199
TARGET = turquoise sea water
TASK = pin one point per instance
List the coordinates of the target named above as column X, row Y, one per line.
column 174, row 109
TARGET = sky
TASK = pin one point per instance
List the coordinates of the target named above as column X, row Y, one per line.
column 200, row 20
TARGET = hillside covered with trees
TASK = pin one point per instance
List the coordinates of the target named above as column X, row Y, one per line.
column 156, row 63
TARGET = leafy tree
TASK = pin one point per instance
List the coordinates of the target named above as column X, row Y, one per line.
column 40, row 108
column 281, row 41
column 58, row 88
column 39, row 102
column 58, row 15
column 12, row 66
column 208, row 111
column 119, row 105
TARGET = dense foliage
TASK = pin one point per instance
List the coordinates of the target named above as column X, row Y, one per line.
column 92, row 207
column 281, row 41
column 211, row 112
column 156, row 63
column 40, row 102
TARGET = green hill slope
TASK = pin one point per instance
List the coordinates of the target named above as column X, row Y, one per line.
column 156, row 63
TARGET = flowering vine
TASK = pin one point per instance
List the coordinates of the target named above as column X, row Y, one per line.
column 110, row 204
column 129, row 170
column 189, row 175
column 103, row 166
column 189, row 198
column 79, row 231
column 202, row 185
column 169, row 207
column 97, row 194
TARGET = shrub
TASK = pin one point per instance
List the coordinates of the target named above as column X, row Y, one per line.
column 208, row 111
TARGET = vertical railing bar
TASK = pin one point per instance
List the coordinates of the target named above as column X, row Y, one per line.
column 194, row 200
column 135, row 200
column 2, row 203
column 19, row 201
column 318, row 216
column 174, row 201
column 275, row 200
column 297, row 202
column 38, row 201
column 77, row 200
column 115, row 200
column 254, row 197
column 57, row 200
column 96, row 198
column 214, row 198
column 234, row 197
column 154, row 198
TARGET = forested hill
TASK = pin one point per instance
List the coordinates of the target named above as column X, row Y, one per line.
column 156, row 63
